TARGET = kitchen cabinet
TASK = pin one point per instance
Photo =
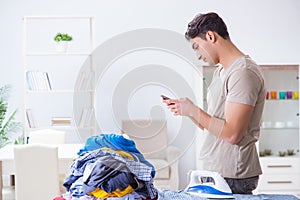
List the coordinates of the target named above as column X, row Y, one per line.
column 279, row 141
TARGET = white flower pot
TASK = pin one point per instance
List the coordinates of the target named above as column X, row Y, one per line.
column 61, row 46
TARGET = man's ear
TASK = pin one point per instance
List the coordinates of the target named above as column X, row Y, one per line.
column 210, row 36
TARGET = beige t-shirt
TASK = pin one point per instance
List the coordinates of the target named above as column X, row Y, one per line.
column 242, row 82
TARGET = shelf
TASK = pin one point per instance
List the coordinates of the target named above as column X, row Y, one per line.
column 277, row 156
column 281, row 100
column 58, row 54
column 66, row 127
column 265, row 67
column 280, row 67
column 57, row 91
column 283, row 128
column 58, row 17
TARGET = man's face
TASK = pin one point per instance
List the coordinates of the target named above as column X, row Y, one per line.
column 203, row 50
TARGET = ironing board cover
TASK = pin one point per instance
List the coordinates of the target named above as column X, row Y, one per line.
column 181, row 195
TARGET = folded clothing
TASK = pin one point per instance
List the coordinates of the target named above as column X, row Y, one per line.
column 115, row 142
column 109, row 173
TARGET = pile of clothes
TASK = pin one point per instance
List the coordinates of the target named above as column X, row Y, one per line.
column 110, row 166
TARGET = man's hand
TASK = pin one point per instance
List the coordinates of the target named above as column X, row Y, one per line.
column 183, row 106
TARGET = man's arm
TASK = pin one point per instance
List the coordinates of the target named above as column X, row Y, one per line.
column 230, row 129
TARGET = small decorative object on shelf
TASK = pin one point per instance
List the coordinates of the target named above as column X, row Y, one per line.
column 282, row 95
column 62, row 40
column 281, row 153
column 268, row 152
column 290, row 152
column 61, row 121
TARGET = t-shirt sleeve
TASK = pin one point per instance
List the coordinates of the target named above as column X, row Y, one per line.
column 243, row 86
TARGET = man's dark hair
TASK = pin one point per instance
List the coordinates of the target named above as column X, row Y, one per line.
column 206, row 22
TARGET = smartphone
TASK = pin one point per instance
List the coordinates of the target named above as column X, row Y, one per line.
column 164, row 97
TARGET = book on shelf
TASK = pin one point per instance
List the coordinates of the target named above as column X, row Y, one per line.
column 61, row 121
column 30, row 119
column 86, row 117
column 48, row 85
column 86, row 80
column 37, row 80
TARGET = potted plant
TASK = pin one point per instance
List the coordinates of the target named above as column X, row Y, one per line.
column 62, row 39
column 7, row 124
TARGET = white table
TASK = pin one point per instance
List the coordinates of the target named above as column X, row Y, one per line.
column 66, row 154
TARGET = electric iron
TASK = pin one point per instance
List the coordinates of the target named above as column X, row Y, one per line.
column 208, row 184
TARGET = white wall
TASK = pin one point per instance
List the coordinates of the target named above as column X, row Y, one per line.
column 267, row 30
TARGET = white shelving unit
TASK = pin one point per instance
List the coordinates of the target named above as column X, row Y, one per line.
column 68, row 72
column 279, row 131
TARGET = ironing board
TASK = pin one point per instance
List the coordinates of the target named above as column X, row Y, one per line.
column 181, row 195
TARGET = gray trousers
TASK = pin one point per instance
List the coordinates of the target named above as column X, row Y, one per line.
column 242, row 186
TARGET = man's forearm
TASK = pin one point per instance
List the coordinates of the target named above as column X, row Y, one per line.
column 197, row 123
column 200, row 118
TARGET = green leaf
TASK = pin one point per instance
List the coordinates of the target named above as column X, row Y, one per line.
column 62, row 37
column 4, row 92
column 9, row 126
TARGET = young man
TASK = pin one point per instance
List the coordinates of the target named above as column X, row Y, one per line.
column 236, row 99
